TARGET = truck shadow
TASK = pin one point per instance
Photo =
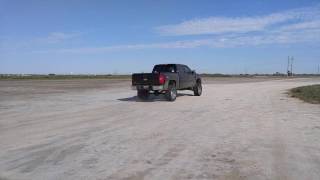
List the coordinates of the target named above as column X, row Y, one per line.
column 152, row 98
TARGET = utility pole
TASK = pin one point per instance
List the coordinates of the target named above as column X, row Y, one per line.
column 288, row 66
column 318, row 69
column 291, row 66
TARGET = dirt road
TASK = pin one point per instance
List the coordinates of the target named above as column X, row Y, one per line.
column 98, row 130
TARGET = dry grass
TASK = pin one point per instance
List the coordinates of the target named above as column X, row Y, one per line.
column 309, row 94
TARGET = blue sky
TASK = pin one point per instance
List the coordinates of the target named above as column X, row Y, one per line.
column 131, row 36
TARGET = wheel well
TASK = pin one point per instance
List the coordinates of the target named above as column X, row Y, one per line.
column 172, row 82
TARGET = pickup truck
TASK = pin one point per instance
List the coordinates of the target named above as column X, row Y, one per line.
column 166, row 79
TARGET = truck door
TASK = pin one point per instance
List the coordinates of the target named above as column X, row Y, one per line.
column 183, row 79
column 189, row 77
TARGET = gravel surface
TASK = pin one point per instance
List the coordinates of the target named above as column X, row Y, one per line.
column 100, row 130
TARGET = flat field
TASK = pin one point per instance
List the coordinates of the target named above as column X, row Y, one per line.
column 241, row 128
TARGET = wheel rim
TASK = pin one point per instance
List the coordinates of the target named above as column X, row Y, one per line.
column 173, row 93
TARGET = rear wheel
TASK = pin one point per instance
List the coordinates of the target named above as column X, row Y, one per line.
column 143, row 94
column 197, row 90
column 171, row 94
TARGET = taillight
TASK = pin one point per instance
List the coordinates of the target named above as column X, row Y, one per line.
column 162, row 79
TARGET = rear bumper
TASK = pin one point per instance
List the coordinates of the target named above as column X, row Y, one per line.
column 147, row 87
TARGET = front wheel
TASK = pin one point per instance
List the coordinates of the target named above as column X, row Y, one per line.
column 171, row 94
column 197, row 90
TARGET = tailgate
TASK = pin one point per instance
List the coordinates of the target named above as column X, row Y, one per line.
column 145, row 79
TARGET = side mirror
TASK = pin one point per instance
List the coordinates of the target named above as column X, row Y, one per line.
column 193, row 71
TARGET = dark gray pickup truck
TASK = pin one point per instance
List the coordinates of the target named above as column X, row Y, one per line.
column 167, row 79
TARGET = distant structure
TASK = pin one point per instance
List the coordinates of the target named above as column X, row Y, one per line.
column 290, row 66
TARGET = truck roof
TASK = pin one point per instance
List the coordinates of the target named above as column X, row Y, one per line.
column 170, row 64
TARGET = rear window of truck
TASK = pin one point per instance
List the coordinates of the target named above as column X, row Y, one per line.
column 164, row 68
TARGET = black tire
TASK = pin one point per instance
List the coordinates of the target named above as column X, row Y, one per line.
column 143, row 94
column 171, row 94
column 197, row 90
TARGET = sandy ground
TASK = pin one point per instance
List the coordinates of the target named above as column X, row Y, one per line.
column 97, row 129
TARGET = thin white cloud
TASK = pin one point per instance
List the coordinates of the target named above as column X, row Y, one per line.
column 166, row 45
column 313, row 24
column 289, row 37
column 56, row 37
column 219, row 25
column 9, row 44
